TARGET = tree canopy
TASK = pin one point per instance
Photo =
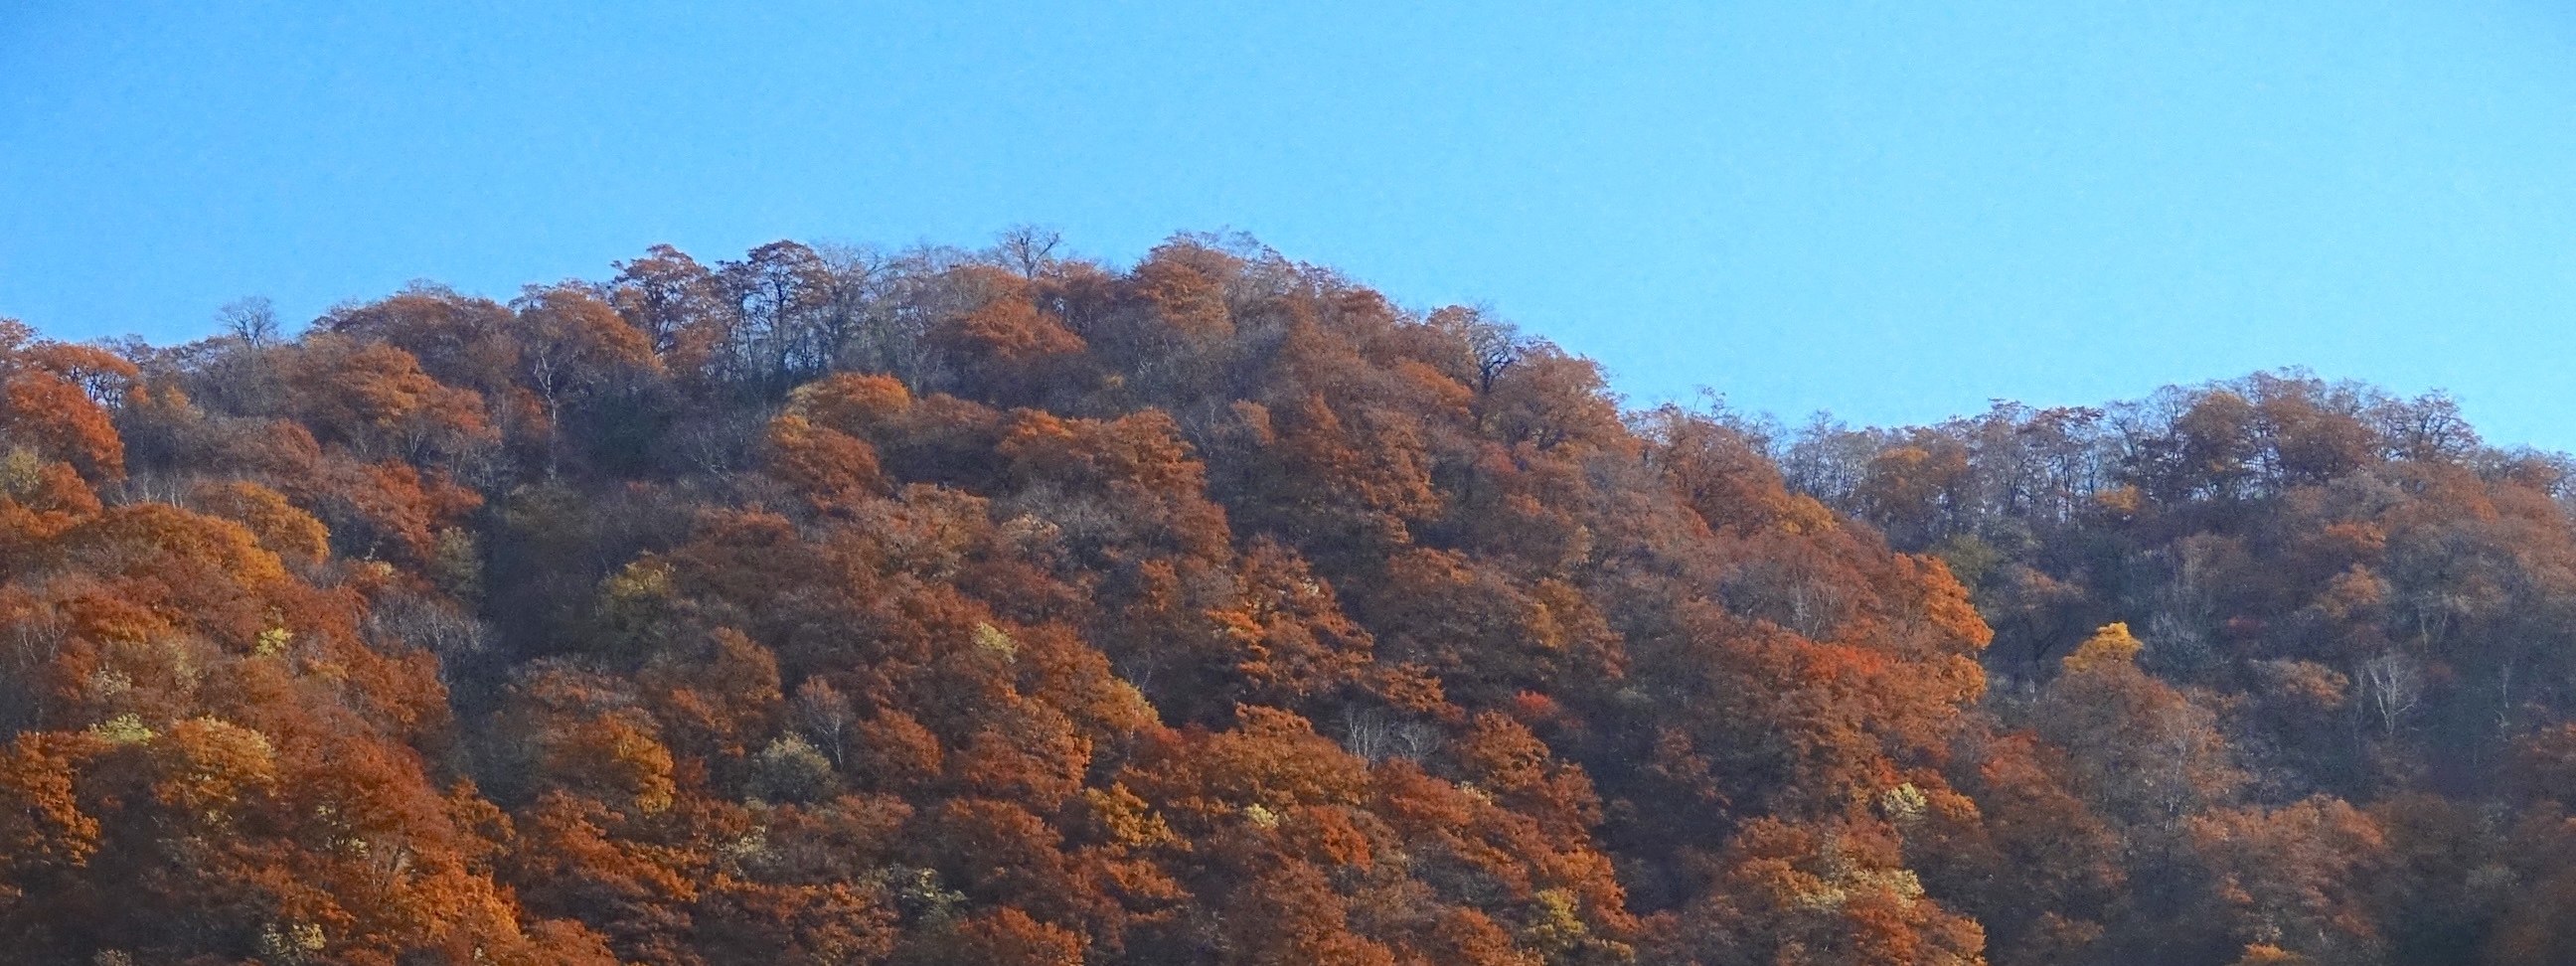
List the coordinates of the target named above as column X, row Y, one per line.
column 843, row 606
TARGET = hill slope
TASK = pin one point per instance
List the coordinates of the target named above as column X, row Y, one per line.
column 844, row 606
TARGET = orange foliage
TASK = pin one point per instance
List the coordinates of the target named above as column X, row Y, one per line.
column 852, row 606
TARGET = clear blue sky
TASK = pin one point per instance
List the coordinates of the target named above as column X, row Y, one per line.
column 1886, row 209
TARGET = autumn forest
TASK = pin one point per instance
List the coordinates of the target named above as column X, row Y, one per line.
column 836, row 605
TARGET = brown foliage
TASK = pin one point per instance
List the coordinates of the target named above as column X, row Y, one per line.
column 847, row 606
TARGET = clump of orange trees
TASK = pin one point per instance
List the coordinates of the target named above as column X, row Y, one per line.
column 849, row 606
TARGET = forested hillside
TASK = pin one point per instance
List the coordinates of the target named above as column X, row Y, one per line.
column 845, row 607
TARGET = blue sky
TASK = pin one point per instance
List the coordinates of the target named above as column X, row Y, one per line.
column 1893, row 210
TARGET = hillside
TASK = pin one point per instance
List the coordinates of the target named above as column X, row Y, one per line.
column 848, row 606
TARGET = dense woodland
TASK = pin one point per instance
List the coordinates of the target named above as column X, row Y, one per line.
column 843, row 606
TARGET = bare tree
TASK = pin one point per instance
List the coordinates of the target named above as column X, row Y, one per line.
column 252, row 319
column 1496, row 345
column 827, row 717
column 2392, row 686
column 1375, row 735
column 1027, row 249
